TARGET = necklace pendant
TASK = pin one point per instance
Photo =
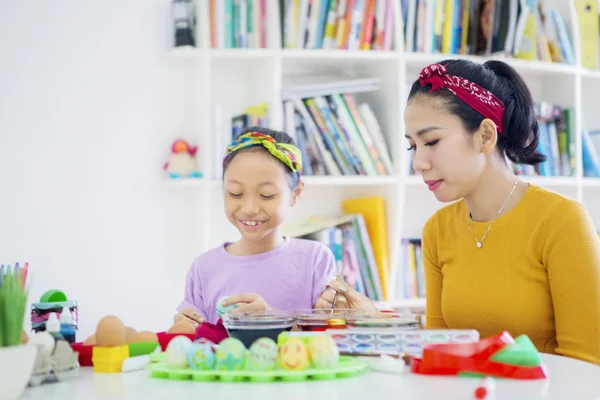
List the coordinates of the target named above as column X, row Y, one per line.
column 479, row 245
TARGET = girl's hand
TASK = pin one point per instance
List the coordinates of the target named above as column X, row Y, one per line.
column 347, row 298
column 189, row 315
column 247, row 302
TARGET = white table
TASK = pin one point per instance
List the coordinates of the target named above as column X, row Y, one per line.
column 569, row 380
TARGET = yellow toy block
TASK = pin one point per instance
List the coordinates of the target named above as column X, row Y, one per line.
column 109, row 359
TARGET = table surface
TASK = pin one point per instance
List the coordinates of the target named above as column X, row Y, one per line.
column 569, row 379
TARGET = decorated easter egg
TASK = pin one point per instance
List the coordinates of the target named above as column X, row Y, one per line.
column 262, row 355
column 323, row 352
column 177, row 351
column 221, row 309
column 201, row 355
column 230, row 355
column 293, row 355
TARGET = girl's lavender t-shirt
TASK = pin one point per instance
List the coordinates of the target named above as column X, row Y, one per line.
column 289, row 278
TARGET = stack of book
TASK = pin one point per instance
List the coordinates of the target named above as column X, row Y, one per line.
column 336, row 134
column 411, row 269
column 349, row 240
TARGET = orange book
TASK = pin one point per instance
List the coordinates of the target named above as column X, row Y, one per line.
column 373, row 212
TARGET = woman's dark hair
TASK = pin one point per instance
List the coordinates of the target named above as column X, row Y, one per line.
column 280, row 137
column 521, row 135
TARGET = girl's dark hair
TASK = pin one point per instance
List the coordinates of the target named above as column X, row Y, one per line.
column 520, row 138
column 280, row 137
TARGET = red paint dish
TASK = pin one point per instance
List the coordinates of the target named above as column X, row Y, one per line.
column 319, row 320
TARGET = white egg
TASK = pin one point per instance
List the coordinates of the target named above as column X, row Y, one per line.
column 177, row 351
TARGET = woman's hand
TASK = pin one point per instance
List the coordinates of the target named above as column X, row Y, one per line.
column 347, row 298
column 247, row 302
column 190, row 315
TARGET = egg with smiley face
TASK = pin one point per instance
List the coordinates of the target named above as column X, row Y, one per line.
column 293, row 355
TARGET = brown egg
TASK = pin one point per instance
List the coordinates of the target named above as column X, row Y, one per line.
column 111, row 332
column 182, row 327
column 90, row 341
column 24, row 337
column 130, row 332
column 144, row 337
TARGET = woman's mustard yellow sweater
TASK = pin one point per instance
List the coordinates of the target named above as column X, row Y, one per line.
column 538, row 273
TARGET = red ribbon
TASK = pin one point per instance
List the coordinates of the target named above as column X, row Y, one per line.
column 479, row 99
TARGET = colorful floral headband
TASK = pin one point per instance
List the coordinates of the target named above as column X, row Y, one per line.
column 479, row 99
column 287, row 153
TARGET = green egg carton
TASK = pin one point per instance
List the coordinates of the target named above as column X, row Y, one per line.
column 347, row 367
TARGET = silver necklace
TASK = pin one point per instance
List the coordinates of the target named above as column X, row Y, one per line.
column 480, row 242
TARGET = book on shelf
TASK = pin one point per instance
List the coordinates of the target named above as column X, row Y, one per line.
column 373, row 211
column 556, row 141
column 590, row 143
column 411, row 271
column 349, row 240
column 338, row 136
column 227, row 126
column 337, row 24
column 589, row 32
column 526, row 29
column 237, row 24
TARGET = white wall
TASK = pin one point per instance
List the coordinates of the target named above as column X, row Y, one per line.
column 88, row 108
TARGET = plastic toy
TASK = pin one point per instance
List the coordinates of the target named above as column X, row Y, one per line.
column 497, row 356
column 55, row 301
column 182, row 161
column 109, row 359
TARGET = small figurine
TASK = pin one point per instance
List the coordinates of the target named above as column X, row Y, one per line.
column 182, row 162
column 184, row 21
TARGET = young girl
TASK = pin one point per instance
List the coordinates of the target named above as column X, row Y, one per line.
column 508, row 255
column 263, row 270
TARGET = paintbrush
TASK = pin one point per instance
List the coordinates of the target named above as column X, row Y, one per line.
column 339, row 278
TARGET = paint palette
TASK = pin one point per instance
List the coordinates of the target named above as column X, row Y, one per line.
column 399, row 341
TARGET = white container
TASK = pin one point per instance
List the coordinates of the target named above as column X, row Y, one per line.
column 16, row 366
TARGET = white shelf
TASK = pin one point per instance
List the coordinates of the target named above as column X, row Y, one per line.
column 419, row 60
column 236, row 78
column 591, row 182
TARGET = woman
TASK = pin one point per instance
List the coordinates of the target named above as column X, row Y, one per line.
column 508, row 255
